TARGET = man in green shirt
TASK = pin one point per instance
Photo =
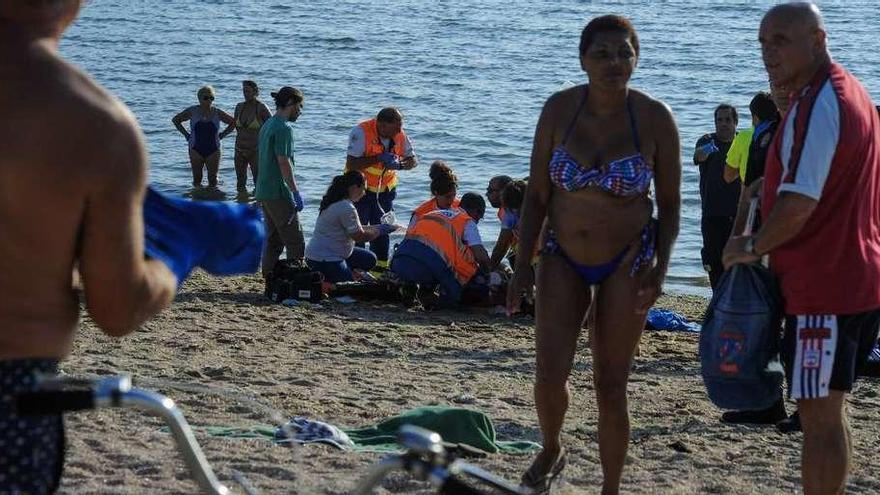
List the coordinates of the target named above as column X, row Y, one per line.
column 276, row 186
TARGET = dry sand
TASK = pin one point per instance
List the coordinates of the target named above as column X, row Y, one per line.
column 354, row 365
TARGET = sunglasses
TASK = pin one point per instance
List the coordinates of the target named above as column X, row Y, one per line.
column 208, row 98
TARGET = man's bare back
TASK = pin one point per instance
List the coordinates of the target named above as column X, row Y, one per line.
column 72, row 179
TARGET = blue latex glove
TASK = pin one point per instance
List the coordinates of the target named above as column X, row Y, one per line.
column 709, row 148
column 385, row 229
column 297, row 201
column 390, row 160
column 222, row 238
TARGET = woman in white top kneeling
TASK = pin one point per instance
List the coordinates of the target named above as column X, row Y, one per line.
column 331, row 249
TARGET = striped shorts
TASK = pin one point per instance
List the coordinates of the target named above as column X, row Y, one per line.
column 827, row 352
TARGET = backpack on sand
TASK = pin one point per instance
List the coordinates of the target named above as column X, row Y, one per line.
column 293, row 280
column 740, row 339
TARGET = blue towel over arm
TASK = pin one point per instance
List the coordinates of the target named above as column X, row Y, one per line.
column 221, row 238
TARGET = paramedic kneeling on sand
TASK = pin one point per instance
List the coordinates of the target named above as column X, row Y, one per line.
column 331, row 249
column 444, row 248
column 821, row 227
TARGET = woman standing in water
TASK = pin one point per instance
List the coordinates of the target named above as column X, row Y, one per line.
column 597, row 150
column 249, row 117
column 204, row 135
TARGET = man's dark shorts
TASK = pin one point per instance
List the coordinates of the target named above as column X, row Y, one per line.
column 827, row 352
column 31, row 447
column 716, row 231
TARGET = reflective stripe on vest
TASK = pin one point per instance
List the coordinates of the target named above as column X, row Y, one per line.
column 443, row 232
column 376, row 181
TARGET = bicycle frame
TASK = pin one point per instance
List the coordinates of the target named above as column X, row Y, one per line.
column 117, row 391
column 425, row 457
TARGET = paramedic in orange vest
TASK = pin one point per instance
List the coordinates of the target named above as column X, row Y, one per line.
column 444, row 186
column 444, row 248
column 379, row 148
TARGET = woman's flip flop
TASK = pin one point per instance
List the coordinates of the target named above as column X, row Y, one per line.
column 540, row 483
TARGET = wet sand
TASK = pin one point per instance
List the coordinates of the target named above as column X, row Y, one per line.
column 357, row 364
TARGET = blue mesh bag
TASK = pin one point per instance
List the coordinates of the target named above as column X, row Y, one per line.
column 740, row 340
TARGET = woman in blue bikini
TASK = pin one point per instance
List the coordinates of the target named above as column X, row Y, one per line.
column 204, row 135
column 597, row 149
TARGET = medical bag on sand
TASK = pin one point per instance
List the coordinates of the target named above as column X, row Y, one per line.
column 294, row 280
column 740, row 338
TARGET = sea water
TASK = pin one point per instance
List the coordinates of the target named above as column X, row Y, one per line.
column 469, row 76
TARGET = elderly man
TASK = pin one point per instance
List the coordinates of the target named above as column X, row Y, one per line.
column 821, row 228
column 91, row 184
column 378, row 147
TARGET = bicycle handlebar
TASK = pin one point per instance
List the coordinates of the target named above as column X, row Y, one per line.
column 427, row 460
column 117, row 392
column 454, row 486
column 425, row 457
column 54, row 402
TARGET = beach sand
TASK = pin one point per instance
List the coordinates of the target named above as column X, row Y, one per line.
column 357, row 364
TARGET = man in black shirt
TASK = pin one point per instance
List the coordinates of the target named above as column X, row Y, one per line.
column 719, row 199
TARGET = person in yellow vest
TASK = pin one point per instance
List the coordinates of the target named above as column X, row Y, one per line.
column 444, row 186
column 444, row 248
column 379, row 148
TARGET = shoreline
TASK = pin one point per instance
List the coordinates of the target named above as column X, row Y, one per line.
column 354, row 365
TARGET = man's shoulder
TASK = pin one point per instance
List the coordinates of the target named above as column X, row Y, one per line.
column 277, row 126
column 98, row 129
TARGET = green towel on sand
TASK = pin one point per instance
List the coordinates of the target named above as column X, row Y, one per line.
column 455, row 425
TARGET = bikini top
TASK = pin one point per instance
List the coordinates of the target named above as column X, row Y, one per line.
column 253, row 125
column 628, row 176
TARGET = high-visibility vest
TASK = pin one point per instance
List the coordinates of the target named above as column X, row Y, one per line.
column 429, row 206
column 379, row 179
column 443, row 232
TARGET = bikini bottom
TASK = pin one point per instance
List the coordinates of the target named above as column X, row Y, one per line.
column 596, row 274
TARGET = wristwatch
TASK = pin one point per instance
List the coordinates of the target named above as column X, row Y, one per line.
column 750, row 246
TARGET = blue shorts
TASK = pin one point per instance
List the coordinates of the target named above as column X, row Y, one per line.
column 31, row 447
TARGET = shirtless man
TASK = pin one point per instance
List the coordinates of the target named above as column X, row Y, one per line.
column 91, row 181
